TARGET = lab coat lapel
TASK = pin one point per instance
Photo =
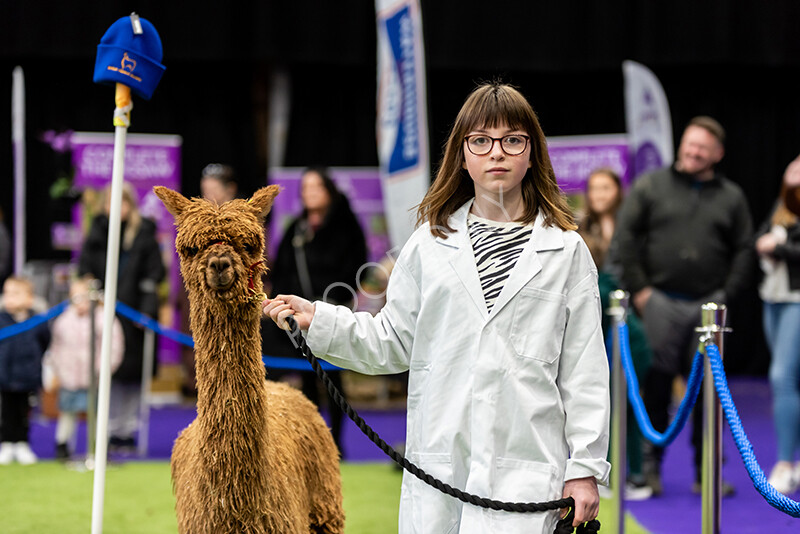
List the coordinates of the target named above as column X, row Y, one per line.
column 528, row 264
column 461, row 258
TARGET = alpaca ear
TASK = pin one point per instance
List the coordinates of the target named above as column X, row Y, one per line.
column 173, row 201
column 262, row 200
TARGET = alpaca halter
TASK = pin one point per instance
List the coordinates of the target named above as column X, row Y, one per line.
column 251, row 286
column 253, row 296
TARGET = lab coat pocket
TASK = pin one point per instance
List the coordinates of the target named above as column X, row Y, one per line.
column 540, row 318
column 525, row 481
column 433, row 510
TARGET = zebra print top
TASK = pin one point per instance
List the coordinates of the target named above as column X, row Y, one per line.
column 497, row 246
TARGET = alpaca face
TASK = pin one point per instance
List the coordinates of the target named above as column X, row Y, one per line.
column 221, row 247
column 223, row 258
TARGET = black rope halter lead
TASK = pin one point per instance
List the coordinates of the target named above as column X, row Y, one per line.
column 564, row 526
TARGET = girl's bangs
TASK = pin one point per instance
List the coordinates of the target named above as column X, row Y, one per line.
column 500, row 108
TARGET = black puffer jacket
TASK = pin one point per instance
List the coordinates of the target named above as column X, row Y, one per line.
column 21, row 356
column 334, row 253
column 140, row 271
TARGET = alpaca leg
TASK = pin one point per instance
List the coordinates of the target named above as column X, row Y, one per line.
column 327, row 515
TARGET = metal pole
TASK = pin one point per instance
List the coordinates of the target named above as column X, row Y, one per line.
column 713, row 319
column 144, row 398
column 618, row 310
column 91, row 412
column 18, row 141
column 123, row 99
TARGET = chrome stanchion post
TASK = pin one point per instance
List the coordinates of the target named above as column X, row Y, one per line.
column 144, row 399
column 713, row 319
column 618, row 310
column 91, row 411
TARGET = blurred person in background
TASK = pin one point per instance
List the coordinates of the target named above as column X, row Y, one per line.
column 140, row 271
column 778, row 247
column 684, row 239
column 217, row 183
column 69, row 357
column 20, row 371
column 319, row 257
column 602, row 201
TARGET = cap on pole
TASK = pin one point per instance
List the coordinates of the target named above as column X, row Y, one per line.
column 130, row 53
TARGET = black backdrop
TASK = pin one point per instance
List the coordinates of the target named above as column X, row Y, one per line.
column 737, row 60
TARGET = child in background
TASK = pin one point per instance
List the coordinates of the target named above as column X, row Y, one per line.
column 69, row 358
column 20, row 371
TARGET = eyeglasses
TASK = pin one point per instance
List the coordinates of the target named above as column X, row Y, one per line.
column 512, row 144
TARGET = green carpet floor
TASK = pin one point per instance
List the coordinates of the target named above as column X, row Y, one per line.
column 50, row 498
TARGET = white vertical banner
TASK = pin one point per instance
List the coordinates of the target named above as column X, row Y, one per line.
column 402, row 123
column 647, row 119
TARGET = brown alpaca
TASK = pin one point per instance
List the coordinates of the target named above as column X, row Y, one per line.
column 258, row 458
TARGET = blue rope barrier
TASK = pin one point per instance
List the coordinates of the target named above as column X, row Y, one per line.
column 692, row 391
column 274, row 362
column 771, row 495
column 151, row 324
column 33, row 322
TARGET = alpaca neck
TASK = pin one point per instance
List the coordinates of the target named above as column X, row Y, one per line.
column 231, row 394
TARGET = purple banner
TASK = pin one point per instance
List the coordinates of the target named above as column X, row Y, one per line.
column 575, row 157
column 150, row 160
column 361, row 186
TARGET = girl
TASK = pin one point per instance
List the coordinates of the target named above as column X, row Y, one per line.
column 69, row 355
column 493, row 308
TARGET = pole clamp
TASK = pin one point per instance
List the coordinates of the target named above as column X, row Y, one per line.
column 709, row 331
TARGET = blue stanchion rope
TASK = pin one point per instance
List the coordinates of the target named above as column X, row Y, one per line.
column 685, row 408
column 274, row 362
column 771, row 495
column 33, row 322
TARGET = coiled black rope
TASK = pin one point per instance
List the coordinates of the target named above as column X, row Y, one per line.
column 569, row 502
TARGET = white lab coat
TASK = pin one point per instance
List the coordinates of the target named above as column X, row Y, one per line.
column 504, row 405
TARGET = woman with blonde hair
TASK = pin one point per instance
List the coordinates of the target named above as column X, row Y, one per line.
column 140, row 271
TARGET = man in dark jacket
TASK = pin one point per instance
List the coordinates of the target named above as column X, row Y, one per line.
column 683, row 239
column 20, row 371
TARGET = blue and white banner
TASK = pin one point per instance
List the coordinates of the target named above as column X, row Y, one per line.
column 402, row 124
column 647, row 119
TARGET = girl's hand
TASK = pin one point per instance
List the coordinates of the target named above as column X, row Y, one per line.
column 283, row 306
column 587, row 499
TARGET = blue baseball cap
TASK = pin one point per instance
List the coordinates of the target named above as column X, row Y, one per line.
column 130, row 58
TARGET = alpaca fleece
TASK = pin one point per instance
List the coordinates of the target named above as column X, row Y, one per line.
column 258, row 458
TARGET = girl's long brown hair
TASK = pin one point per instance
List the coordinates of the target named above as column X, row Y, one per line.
column 491, row 105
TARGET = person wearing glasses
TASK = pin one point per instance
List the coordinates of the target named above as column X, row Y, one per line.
column 493, row 308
